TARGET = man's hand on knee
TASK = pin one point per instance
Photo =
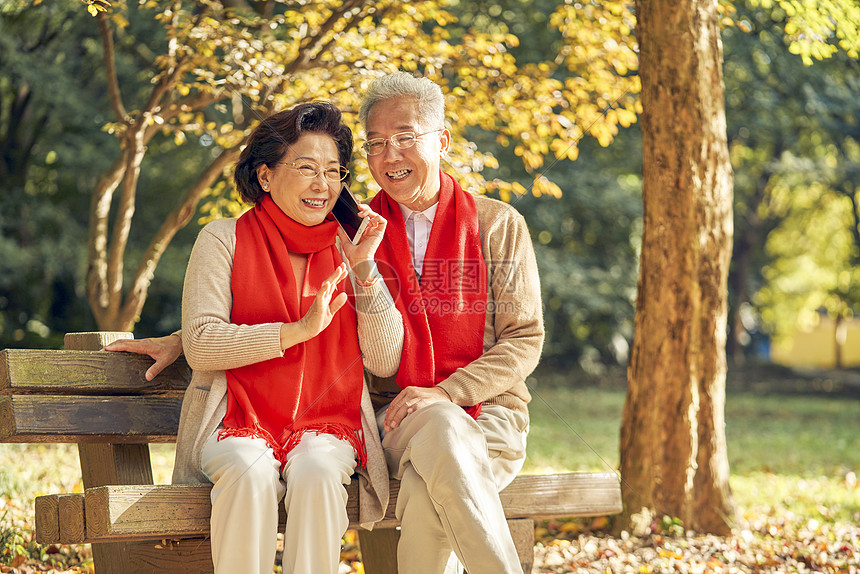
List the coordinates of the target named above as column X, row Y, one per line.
column 410, row 400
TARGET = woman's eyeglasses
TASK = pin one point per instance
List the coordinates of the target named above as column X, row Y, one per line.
column 310, row 169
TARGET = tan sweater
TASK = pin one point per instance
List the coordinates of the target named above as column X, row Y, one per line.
column 513, row 332
column 213, row 344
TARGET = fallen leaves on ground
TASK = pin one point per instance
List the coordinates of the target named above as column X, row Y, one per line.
column 769, row 544
column 762, row 545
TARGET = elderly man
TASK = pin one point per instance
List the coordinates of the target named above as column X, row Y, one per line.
column 462, row 271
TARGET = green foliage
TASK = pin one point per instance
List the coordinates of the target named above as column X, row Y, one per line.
column 587, row 248
column 793, row 133
column 46, row 138
column 52, row 111
column 817, row 30
column 586, row 238
column 810, row 271
column 12, row 542
column 673, row 526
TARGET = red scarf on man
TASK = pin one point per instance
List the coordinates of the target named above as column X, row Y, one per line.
column 444, row 314
column 316, row 386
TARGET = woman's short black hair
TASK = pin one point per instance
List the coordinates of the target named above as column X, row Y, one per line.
column 269, row 141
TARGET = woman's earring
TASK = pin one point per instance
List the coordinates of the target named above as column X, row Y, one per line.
column 265, row 187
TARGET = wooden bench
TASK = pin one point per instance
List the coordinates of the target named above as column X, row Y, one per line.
column 102, row 402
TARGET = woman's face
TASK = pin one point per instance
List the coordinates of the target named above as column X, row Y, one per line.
column 304, row 199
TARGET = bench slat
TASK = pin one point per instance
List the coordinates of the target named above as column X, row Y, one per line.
column 85, row 372
column 71, row 518
column 573, row 494
column 48, row 519
column 125, row 512
column 129, row 512
column 120, row 419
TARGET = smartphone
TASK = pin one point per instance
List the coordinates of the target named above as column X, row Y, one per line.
column 346, row 213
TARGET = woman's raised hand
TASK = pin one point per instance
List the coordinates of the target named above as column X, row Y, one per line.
column 323, row 308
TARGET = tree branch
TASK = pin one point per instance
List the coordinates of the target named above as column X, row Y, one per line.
column 196, row 102
column 106, row 260
column 17, row 112
column 851, row 192
column 167, row 80
column 164, row 84
column 349, row 25
column 97, row 291
column 46, row 35
column 177, row 219
column 136, row 149
column 110, row 68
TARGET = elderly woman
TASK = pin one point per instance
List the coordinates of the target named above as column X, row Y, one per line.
column 277, row 338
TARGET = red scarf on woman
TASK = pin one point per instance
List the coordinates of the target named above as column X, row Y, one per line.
column 444, row 314
column 316, row 386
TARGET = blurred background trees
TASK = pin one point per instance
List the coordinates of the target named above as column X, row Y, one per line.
column 792, row 128
column 793, row 133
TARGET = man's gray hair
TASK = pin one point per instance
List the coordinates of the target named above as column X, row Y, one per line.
column 431, row 102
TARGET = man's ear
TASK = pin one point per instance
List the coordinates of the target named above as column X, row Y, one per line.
column 264, row 175
column 445, row 141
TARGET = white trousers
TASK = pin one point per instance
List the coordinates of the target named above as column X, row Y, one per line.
column 247, row 486
column 452, row 468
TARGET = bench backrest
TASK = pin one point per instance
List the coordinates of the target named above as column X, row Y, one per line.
column 88, row 396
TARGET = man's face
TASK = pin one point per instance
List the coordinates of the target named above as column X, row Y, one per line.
column 411, row 175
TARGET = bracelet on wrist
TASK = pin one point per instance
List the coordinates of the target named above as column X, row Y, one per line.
column 372, row 273
column 369, row 283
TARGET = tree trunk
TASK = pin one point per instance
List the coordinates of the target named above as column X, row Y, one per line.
column 673, row 448
column 840, row 334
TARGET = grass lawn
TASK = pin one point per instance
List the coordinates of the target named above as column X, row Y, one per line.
column 795, row 451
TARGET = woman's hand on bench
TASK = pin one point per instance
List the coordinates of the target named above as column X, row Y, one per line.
column 164, row 350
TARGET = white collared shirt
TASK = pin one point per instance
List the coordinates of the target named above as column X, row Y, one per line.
column 418, row 226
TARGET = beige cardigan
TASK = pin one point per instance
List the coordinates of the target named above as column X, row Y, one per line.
column 212, row 344
column 513, row 331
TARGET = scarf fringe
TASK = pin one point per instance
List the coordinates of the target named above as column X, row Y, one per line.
column 343, row 432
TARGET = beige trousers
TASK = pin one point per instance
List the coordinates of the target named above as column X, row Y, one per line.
column 451, row 469
column 247, row 486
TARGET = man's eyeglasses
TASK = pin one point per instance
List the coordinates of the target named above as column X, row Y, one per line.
column 403, row 140
column 310, row 169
